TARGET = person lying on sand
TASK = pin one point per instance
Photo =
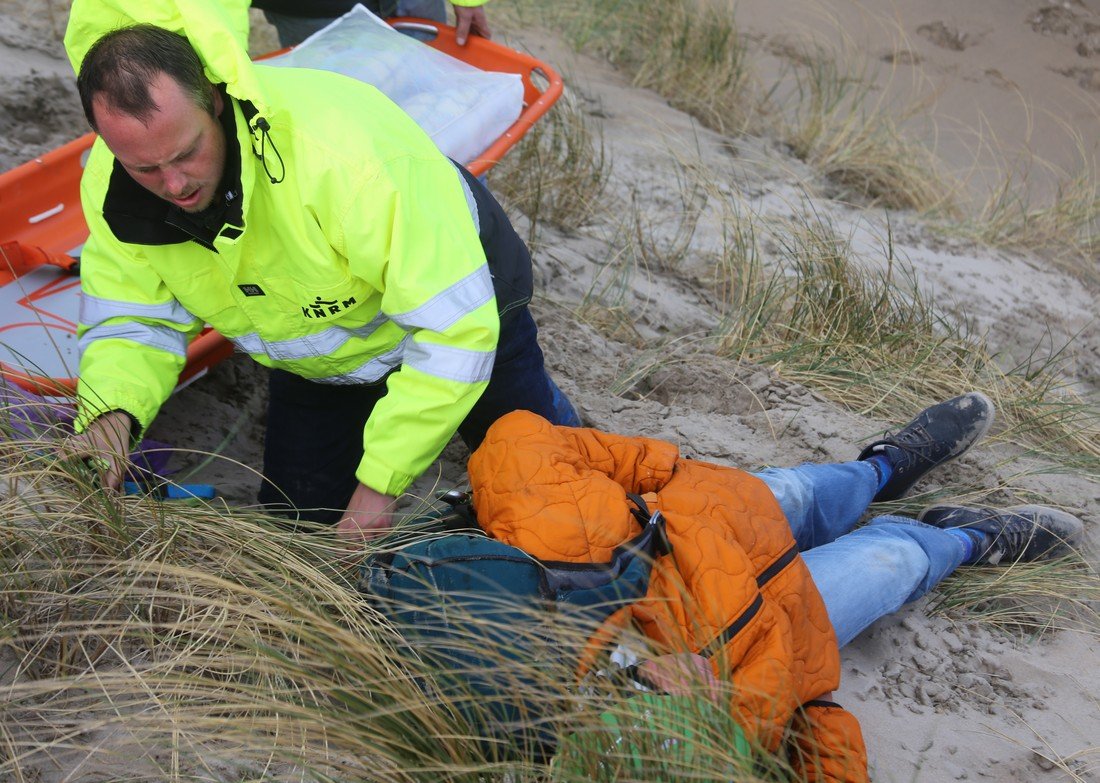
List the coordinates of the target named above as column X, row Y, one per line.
column 768, row 575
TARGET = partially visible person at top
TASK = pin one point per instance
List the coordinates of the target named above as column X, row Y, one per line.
column 312, row 223
column 296, row 20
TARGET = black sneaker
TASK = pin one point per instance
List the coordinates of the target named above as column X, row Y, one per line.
column 1021, row 533
column 938, row 434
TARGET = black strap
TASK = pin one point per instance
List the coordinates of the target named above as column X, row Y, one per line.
column 640, row 510
column 261, row 125
column 459, row 518
column 823, row 703
column 631, row 674
column 651, row 544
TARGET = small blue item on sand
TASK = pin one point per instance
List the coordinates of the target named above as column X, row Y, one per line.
column 169, row 491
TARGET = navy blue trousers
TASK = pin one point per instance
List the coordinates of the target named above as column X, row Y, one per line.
column 314, row 439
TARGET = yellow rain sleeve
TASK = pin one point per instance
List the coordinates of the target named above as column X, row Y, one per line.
column 433, row 258
column 120, row 372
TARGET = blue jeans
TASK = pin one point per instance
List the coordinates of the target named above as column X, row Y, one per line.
column 861, row 574
column 314, row 439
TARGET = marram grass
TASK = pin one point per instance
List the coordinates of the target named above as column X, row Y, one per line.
column 689, row 52
column 145, row 641
column 1028, row 598
column 828, row 110
column 558, row 173
column 864, row 332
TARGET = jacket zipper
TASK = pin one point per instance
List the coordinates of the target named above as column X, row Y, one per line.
column 753, row 609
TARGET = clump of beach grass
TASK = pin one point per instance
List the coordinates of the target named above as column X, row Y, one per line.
column 834, row 117
column 171, row 642
column 1059, row 220
column 818, row 316
column 662, row 243
column 692, row 53
column 176, row 633
column 1030, row 599
column 168, row 631
column 558, row 173
column 863, row 332
column 688, row 51
column 608, row 304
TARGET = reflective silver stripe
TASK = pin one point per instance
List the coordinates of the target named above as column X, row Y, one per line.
column 471, row 202
column 455, row 364
column 323, row 343
column 447, row 307
column 164, row 338
column 95, row 310
column 372, row 371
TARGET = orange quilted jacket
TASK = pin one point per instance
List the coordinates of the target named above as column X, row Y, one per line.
column 734, row 589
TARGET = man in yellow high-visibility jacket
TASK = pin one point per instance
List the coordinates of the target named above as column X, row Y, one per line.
column 312, row 223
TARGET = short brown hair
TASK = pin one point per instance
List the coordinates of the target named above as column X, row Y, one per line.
column 123, row 63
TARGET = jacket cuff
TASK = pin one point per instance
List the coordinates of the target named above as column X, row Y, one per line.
column 87, row 417
column 381, row 477
column 87, row 413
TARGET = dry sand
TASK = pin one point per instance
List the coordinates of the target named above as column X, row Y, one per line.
column 1012, row 82
column 940, row 698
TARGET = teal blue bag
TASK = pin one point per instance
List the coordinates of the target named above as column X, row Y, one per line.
column 501, row 627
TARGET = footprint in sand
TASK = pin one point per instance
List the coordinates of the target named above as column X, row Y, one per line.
column 902, row 57
column 1088, row 43
column 947, row 37
column 1055, row 20
column 1088, row 78
column 998, row 79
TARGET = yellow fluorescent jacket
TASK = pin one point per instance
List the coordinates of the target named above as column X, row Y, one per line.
column 365, row 258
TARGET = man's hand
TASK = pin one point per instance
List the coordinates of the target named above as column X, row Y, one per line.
column 470, row 19
column 367, row 517
column 105, row 444
column 680, row 675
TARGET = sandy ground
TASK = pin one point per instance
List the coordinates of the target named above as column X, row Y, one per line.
column 1014, row 83
column 940, row 698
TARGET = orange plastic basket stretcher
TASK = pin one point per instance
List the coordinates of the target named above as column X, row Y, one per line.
column 42, row 231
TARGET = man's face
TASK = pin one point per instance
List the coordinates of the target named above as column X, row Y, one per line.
column 179, row 155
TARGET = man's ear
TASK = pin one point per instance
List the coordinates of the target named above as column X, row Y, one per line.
column 219, row 104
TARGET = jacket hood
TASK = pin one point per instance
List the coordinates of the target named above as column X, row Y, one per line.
column 217, row 29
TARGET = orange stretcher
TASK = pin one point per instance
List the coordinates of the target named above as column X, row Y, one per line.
column 42, row 231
